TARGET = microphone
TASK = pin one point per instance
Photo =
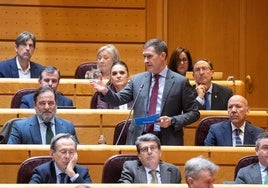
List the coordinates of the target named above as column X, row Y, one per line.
column 131, row 109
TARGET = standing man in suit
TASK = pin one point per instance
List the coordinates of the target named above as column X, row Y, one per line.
column 149, row 168
column 175, row 98
column 256, row 173
column 236, row 130
column 63, row 167
column 209, row 96
column 200, row 172
column 41, row 127
column 21, row 66
column 49, row 77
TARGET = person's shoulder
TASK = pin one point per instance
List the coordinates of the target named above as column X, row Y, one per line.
column 64, row 121
column 220, row 124
column 168, row 165
column 8, row 61
column 222, row 88
column 36, row 64
column 257, row 128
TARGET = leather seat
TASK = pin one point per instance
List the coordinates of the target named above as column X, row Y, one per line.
column 26, row 168
column 245, row 161
column 16, row 99
column 83, row 68
column 120, row 136
column 113, row 166
column 204, row 126
column 6, row 130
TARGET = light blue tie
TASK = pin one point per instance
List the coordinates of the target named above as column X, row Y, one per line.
column 266, row 177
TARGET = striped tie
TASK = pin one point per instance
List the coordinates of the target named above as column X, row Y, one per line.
column 154, row 177
column 237, row 137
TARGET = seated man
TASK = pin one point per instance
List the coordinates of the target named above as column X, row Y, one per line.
column 236, row 130
column 50, row 77
column 149, row 168
column 63, row 167
column 200, row 172
column 256, row 173
column 209, row 96
column 21, row 66
column 41, row 127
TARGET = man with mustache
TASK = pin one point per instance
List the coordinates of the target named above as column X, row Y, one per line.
column 41, row 127
column 21, row 66
column 236, row 130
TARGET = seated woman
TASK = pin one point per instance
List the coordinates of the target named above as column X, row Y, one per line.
column 119, row 79
column 181, row 61
column 106, row 56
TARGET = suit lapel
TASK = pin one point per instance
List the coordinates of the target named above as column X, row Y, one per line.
column 34, row 129
column 141, row 173
column 165, row 173
column 227, row 133
column 59, row 126
column 14, row 69
column 168, row 85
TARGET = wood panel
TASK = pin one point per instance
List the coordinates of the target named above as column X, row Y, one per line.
column 90, row 123
column 79, row 90
column 94, row 157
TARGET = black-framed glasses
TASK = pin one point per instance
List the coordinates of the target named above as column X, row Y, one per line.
column 146, row 149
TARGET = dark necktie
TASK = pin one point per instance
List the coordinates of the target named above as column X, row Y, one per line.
column 237, row 137
column 207, row 103
column 154, row 177
column 49, row 133
column 62, row 178
column 153, row 102
column 266, row 177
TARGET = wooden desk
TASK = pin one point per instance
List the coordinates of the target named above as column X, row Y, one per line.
column 79, row 90
column 90, row 123
column 94, row 156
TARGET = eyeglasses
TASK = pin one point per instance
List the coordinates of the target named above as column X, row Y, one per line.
column 204, row 69
column 114, row 73
column 182, row 60
column 146, row 149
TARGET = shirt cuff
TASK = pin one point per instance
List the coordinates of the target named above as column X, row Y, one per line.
column 74, row 177
column 201, row 101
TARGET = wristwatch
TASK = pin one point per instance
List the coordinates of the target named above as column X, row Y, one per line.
column 173, row 121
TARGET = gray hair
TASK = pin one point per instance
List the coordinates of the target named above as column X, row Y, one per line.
column 57, row 137
column 147, row 137
column 263, row 135
column 24, row 37
column 159, row 46
column 194, row 166
column 112, row 50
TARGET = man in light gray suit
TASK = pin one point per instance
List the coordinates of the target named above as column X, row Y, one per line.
column 175, row 98
column 40, row 128
column 142, row 170
column 256, row 173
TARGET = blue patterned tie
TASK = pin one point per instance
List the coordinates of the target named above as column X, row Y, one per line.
column 207, row 103
column 237, row 137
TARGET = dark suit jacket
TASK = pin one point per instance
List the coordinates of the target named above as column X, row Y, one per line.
column 250, row 174
column 134, row 172
column 220, row 134
column 27, row 101
column 177, row 101
column 104, row 105
column 9, row 69
column 219, row 97
column 27, row 131
column 46, row 173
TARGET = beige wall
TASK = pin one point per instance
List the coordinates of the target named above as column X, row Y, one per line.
column 230, row 33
